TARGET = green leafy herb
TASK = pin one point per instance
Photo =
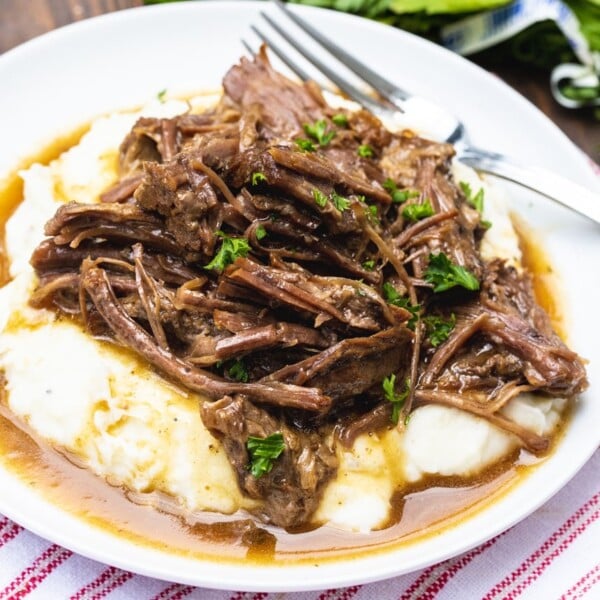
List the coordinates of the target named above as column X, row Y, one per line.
column 365, row 151
column 263, row 452
column 318, row 132
column 391, row 295
column 373, row 216
column 399, row 196
column 340, row 202
column 438, row 329
column 258, row 177
column 476, row 201
column 231, row 248
column 305, row 145
column 320, row 198
column 162, row 95
column 238, row 371
column 444, row 274
column 416, row 212
column 397, row 400
column 341, row 120
column 368, row 265
column 261, row 232
column 389, row 185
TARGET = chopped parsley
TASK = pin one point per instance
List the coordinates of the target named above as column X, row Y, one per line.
column 341, row 120
column 258, row 177
column 162, row 95
column 340, row 202
column 261, row 232
column 475, row 201
column 318, row 132
column 416, row 212
column 365, row 151
column 398, row 196
column 373, row 216
column 305, row 145
column 263, row 452
column 231, row 248
column 438, row 329
column 391, row 295
column 237, row 370
column 444, row 274
column 368, row 265
column 320, row 198
column 397, row 400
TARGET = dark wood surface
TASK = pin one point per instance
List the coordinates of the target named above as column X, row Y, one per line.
column 21, row 20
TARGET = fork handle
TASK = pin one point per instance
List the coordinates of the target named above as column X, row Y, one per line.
column 558, row 188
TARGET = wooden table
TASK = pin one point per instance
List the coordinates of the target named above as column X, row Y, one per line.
column 22, row 20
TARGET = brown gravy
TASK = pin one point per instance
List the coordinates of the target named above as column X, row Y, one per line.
column 426, row 509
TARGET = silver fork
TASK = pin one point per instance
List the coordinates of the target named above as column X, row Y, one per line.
column 448, row 127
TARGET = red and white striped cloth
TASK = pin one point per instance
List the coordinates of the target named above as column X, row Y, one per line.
column 554, row 553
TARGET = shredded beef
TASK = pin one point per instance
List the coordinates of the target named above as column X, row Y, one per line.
column 324, row 294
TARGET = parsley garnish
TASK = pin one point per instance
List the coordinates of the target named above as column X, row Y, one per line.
column 397, row 400
column 373, row 216
column 238, row 371
column 369, row 265
column 444, row 274
column 231, row 248
column 263, row 452
column 416, row 212
column 258, row 177
column 475, row 201
column 261, row 232
column 398, row 196
column 305, row 145
column 318, row 132
column 320, row 198
column 341, row 120
column 340, row 202
column 438, row 329
column 365, row 151
column 392, row 296
column 162, row 95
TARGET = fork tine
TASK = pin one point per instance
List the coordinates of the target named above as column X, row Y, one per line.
column 352, row 91
column 300, row 72
column 248, row 48
column 388, row 90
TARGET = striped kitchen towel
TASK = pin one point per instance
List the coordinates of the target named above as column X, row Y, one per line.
column 554, row 553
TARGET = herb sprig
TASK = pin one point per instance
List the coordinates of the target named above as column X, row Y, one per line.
column 365, row 151
column 438, row 329
column 237, row 370
column 264, row 452
column 258, row 177
column 444, row 274
column 231, row 248
column 319, row 132
column 340, row 119
column 399, row 196
column 389, row 389
column 391, row 295
column 340, row 202
column 416, row 212
column 476, row 201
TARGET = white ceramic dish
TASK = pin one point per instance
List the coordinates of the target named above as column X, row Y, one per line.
column 61, row 80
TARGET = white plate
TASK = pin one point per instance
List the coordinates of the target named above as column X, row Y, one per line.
column 65, row 78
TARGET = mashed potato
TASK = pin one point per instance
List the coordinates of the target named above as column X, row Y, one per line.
column 124, row 422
